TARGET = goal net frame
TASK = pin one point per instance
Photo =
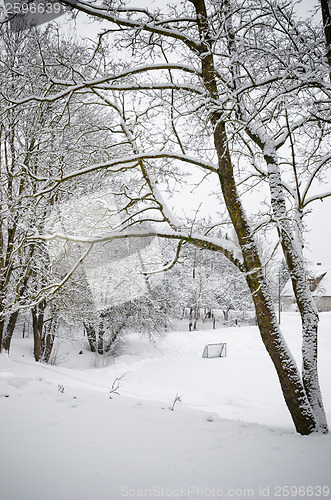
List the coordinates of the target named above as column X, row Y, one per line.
column 215, row 350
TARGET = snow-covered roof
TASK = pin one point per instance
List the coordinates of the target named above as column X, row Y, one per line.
column 320, row 278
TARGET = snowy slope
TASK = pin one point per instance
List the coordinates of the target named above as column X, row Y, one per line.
column 230, row 435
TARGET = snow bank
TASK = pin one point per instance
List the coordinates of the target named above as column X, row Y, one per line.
column 63, row 438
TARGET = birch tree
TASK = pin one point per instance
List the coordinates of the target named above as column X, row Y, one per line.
column 237, row 92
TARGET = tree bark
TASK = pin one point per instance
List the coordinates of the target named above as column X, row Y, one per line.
column 49, row 342
column 91, row 336
column 36, row 335
column 2, row 325
column 326, row 18
column 307, row 308
column 101, row 333
column 9, row 331
column 37, row 326
column 287, row 371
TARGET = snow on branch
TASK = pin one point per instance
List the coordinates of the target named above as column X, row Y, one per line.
column 129, row 72
column 112, row 15
column 222, row 245
column 285, row 133
column 102, row 86
column 110, row 82
column 125, row 162
column 154, row 86
column 169, row 265
column 320, row 196
column 53, row 288
column 326, row 158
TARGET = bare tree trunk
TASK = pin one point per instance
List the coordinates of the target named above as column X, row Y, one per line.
column 2, row 325
column 326, row 18
column 9, row 331
column 292, row 248
column 309, row 321
column 196, row 316
column 91, row 336
column 36, row 335
column 49, row 342
column 37, row 326
column 226, row 314
column 287, row 371
column 101, row 333
column 307, row 308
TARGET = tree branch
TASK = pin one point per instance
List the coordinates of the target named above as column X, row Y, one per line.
column 226, row 247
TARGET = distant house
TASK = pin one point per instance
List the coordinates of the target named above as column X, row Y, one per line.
column 320, row 286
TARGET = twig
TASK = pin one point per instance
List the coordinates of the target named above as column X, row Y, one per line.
column 115, row 386
column 177, row 399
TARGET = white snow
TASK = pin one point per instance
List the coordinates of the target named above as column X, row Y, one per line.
column 229, row 437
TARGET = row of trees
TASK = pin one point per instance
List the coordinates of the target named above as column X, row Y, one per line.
column 38, row 140
column 237, row 92
column 52, row 282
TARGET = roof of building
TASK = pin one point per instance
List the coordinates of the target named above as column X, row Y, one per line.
column 320, row 283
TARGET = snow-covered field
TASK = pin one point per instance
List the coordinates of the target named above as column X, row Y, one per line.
column 64, row 438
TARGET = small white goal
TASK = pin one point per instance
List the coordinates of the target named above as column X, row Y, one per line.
column 215, row 350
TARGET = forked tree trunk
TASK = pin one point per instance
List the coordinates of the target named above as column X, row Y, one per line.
column 292, row 251
column 309, row 320
column 291, row 248
column 304, row 299
column 287, row 371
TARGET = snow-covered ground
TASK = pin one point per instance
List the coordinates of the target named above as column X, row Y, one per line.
column 64, row 438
